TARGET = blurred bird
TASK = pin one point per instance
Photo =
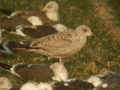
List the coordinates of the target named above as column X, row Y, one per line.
column 73, row 85
column 35, row 72
column 61, row 45
column 34, row 86
column 39, row 30
column 111, row 78
column 97, row 82
column 50, row 11
column 11, row 23
column 35, row 31
column 38, row 72
column 106, row 81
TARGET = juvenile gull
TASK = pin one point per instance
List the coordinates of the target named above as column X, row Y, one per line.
column 50, row 11
column 61, row 45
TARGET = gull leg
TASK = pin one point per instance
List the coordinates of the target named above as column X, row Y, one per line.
column 61, row 60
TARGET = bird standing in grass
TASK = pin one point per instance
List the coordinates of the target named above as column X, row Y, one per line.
column 61, row 45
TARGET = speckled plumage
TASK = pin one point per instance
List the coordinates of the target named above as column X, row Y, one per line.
column 63, row 44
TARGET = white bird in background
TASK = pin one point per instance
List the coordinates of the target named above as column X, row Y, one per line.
column 50, row 11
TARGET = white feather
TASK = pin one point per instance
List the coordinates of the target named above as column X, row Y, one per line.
column 60, row 27
column 44, row 86
column 29, row 86
column 35, row 20
column 60, row 72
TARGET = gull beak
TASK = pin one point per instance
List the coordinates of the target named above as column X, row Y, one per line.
column 91, row 34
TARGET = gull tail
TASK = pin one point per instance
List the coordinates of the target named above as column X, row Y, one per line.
column 6, row 11
column 5, row 66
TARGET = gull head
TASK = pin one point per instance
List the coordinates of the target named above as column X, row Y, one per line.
column 51, row 10
column 51, row 6
column 84, row 30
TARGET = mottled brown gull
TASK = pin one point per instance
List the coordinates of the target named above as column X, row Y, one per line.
column 61, row 45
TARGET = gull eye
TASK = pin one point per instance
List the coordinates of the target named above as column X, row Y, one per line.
column 85, row 30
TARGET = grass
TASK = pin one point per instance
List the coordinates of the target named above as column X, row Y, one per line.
column 101, row 51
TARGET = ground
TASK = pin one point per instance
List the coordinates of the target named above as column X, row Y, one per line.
column 101, row 51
